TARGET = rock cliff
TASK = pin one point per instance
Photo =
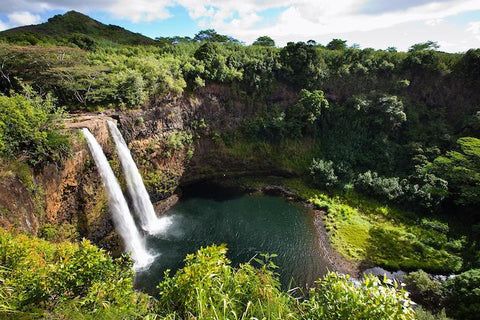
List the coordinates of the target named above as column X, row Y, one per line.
column 171, row 142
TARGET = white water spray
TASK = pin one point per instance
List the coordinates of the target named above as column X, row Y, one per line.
column 118, row 206
column 140, row 198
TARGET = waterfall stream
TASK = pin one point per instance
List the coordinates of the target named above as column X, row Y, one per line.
column 141, row 200
column 122, row 218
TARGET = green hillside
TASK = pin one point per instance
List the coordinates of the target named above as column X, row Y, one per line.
column 73, row 27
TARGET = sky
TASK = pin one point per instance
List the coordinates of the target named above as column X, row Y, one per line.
column 379, row 24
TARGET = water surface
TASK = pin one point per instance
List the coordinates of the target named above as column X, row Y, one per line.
column 249, row 225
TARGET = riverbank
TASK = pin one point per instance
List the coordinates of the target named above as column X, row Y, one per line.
column 360, row 233
column 338, row 262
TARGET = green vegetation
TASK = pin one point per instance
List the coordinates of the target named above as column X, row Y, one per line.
column 73, row 28
column 264, row 41
column 428, row 292
column 458, row 295
column 209, row 287
column 463, row 296
column 177, row 141
column 363, row 229
column 462, row 171
column 385, row 142
column 39, row 279
column 64, row 280
column 160, row 184
column 323, row 174
column 30, row 128
column 337, row 298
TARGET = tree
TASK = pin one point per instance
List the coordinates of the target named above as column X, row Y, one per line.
column 463, row 295
column 425, row 290
column 130, row 89
column 207, row 52
column 303, row 117
column 301, row 65
column 370, row 183
column 429, row 45
column 393, row 109
column 173, row 40
column 214, row 60
column 314, row 103
column 30, row 128
column 210, row 35
column 355, row 46
column 322, row 173
column 264, row 41
column 461, row 168
column 386, row 112
column 337, row 44
column 468, row 68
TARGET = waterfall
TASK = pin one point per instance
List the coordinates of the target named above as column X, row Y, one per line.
column 140, row 198
column 122, row 218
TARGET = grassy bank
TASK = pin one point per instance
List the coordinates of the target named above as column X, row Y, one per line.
column 369, row 232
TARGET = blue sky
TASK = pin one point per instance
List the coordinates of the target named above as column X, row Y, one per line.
column 454, row 24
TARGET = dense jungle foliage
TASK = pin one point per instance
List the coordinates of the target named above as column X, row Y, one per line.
column 387, row 143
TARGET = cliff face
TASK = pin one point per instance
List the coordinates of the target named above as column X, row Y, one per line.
column 17, row 208
column 164, row 140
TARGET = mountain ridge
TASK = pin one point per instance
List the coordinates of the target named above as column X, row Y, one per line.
column 75, row 23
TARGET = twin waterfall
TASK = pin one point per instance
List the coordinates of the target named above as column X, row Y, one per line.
column 142, row 205
column 141, row 201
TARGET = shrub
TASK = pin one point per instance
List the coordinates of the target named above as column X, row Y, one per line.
column 160, row 184
column 462, row 171
column 425, row 190
column 39, row 279
column 337, row 297
column 30, row 128
column 130, row 89
column 178, row 140
column 422, row 314
column 322, row 173
column 209, row 288
column 40, row 276
column 424, row 290
column 372, row 184
column 460, row 295
column 463, row 295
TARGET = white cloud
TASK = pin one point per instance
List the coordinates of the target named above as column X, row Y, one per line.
column 37, row 6
column 22, row 18
column 294, row 21
column 453, row 38
column 316, row 19
column 141, row 10
column 230, row 13
column 433, row 22
column 3, row 26
column 474, row 27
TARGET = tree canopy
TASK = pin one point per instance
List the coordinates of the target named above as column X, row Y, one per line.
column 264, row 41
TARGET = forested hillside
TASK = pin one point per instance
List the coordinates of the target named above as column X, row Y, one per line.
column 73, row 28
column 385, row 143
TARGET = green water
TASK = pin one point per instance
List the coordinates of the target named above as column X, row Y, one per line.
column 248, row 224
